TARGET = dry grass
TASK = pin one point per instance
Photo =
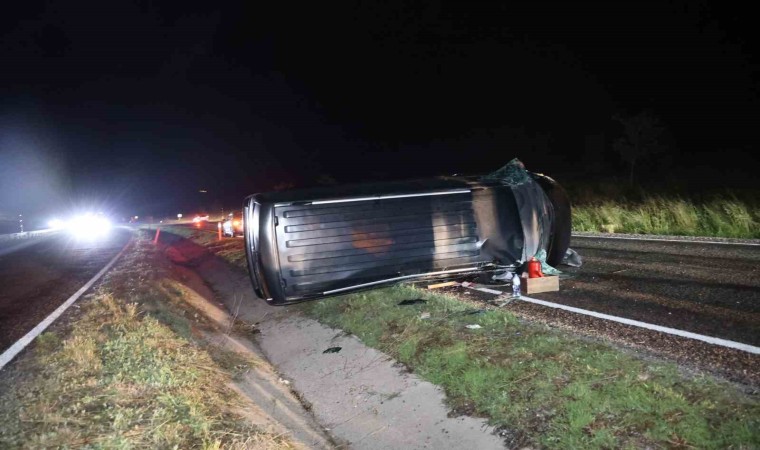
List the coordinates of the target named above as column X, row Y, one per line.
column 616, row 209
column 127, row 373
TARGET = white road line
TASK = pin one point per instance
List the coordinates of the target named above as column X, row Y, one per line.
column 688, row 241
column 649, row 326
column 16, row 348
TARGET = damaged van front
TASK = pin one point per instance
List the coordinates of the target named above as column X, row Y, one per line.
column 310, row 244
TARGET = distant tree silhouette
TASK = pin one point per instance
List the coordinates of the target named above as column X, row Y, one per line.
column 641, row 138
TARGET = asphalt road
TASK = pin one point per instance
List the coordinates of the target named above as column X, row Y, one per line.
column 36, row 278
column 704, row 288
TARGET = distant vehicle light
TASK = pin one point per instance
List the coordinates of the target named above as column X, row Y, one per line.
column 89, row 226
column 56, row 224
column 236, row 223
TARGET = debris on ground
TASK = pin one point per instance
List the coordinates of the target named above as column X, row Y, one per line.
column 440, row 285
column 414, row 301
column 500, row 302
column 503, row 276
column 333, row 350
column 473, row 326
column 542, row 284
column 572, row 258
column 425, row 315
column 546, row 269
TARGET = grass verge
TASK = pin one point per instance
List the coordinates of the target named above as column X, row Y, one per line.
column 125, row 371
column 541, row 386
column 719, row 217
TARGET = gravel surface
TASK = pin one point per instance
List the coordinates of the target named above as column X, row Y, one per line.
column 703, row 288
column 667, row 237
column 732, row 364
column 707, row 289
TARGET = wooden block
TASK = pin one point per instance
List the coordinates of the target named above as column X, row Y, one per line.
column 440, row 285
column 543, row 284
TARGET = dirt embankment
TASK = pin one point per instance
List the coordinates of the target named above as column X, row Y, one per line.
column 148, row 359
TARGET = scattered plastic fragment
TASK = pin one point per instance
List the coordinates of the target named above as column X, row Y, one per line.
column 413, row 301
column 284, row 381
column 546, row 268
column 572, row 258
column 473, row 326
column 333, row 350
column 425, row 315
column 504, row 276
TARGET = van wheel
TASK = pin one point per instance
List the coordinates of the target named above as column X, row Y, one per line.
column 562, row 225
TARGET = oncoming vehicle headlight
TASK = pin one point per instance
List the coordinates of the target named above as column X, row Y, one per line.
column 89, row 226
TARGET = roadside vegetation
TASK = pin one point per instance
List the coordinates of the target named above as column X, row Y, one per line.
column 618, row 209
column 541, row 386
column 229, row 249
column 129, row 369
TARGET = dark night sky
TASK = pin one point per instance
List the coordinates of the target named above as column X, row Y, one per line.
column 137, row 105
